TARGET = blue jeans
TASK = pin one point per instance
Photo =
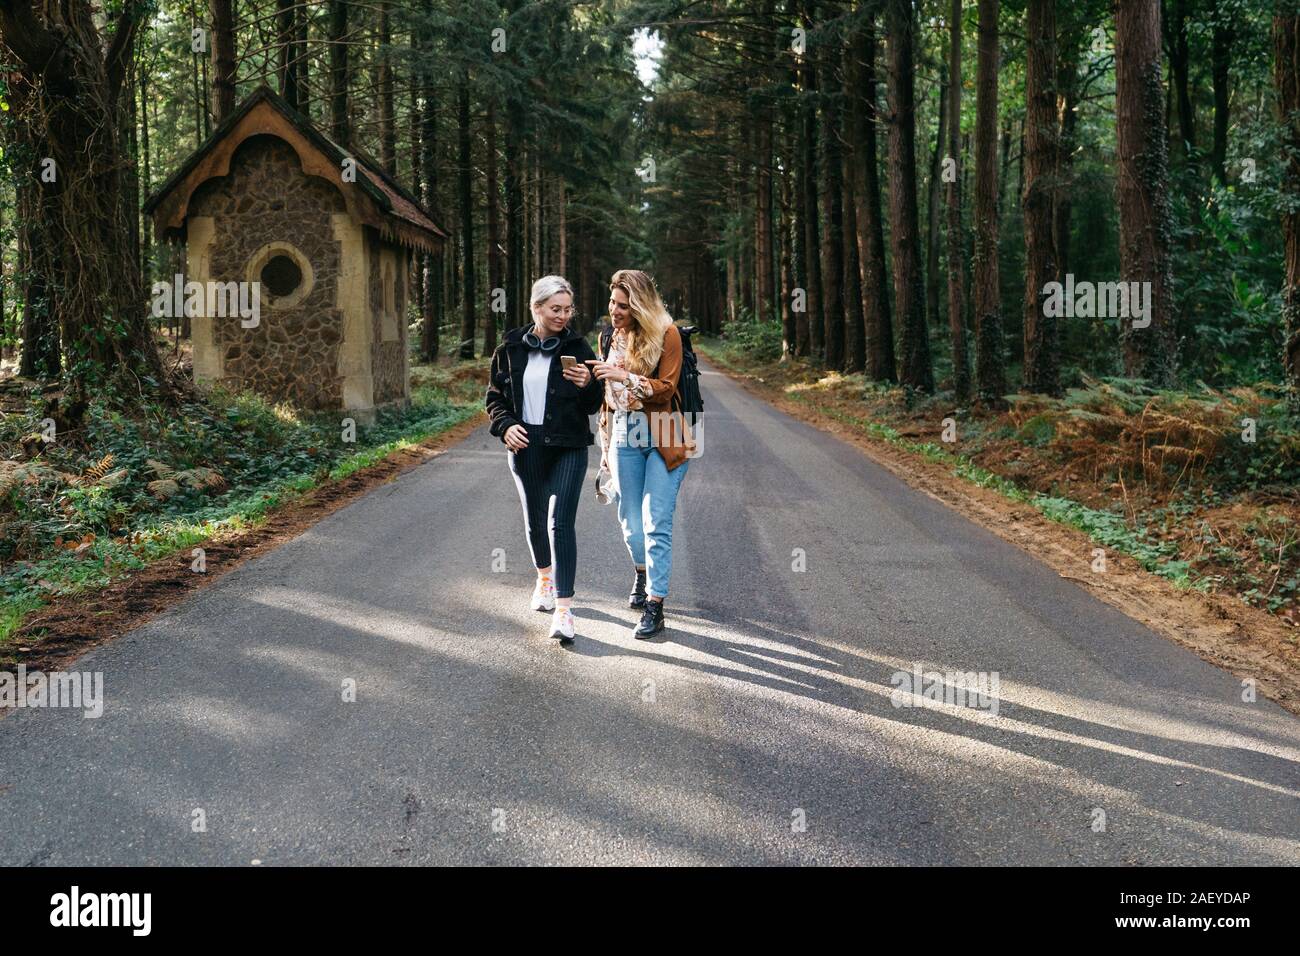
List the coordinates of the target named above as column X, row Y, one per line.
column 647, row 497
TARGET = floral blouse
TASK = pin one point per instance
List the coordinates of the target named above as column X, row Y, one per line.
column 625, row 396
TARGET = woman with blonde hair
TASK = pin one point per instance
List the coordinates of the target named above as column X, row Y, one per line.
column 539, row 398
column 645, row 440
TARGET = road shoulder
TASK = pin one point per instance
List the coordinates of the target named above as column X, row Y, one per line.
column 1245, row 641
column 71, row 625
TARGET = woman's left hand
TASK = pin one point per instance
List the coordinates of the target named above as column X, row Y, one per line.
column 605, row 371
column 579, row 375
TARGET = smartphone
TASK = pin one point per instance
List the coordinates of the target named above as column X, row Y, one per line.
column 568, row 361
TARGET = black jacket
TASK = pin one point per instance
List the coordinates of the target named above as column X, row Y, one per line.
column 567, row 406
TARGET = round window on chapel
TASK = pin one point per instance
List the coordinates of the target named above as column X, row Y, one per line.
column 281, row 276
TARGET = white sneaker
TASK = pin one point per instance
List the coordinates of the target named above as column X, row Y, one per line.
column 544, row 595
column 562, row 624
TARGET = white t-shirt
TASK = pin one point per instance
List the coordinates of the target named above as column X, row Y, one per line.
column 536, row 375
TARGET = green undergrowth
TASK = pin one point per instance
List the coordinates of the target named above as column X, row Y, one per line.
column 147, row 482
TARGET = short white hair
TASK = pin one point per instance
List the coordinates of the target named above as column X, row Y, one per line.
column 547, row 286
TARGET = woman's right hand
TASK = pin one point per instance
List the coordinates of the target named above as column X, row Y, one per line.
column 516, row 438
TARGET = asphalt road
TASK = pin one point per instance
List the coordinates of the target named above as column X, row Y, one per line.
column 758, row 729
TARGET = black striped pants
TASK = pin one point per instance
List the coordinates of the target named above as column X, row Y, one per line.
column 549, row 482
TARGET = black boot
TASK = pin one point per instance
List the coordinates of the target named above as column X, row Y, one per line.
column 637, row 597
column 652, row 620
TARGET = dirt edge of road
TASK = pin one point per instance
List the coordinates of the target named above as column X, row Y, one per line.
column 70, row 625
column 1242, row 640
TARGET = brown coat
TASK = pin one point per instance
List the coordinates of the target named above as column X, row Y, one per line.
column 668, row 432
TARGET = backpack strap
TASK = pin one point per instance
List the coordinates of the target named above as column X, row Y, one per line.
column 606, row 336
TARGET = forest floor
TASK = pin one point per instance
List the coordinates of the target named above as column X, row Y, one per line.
column 1213, row 572
column 95, row 557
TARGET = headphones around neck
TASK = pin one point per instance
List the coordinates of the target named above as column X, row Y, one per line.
column 546, row 345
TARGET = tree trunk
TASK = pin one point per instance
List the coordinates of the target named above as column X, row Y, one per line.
column 516, row 294
column 414, row 120
column 1179, row 62
column 909, row 295
column 832, row 191
column 146, row 226
column 813, row 343
column 864, row 118
column 223, row 59
column 300, row 58
column 1220, row 61
column 1145, row 222
column 744, row 190
column 535, row 210
column 432, row 316
column 990, row 367
column 286, row 51
column 1067, row 100
column 84, row 255
column 131, row 175
column 466, row 173
column 765, row 253
column 956, row 259
column 561, row 225
column 387, row 117
column 1042, row 359
column 37, row 251
column 732, row 291
column 340, row 123
column 855, row 344
column 199, row 86
column 495, row 277
column 791, row 267
column 1286, row 77
column 932, row 208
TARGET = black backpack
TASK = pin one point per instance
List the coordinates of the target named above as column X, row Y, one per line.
column 690, row 400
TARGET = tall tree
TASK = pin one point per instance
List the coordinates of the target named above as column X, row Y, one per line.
column 764, row 264
column 1286, row 78
column 807, row 171
column 516, row 267
column 832, row 216
column 1042, row 358
column 1223, row 35
column 1180, row 69
column 76, row 119
column 286, row 33
column 496, row 277
column 932, row 206
column 990, row 358
column 431, row 319
column 37, row 210
column 223, row 58
column 864, row 120
column 465, row 170
column 792, row 207
column 956, row 260
column 909, row 294
column 791, row 267
column 1145, row 221
column 300, row 58
column 855, row 344
column 387, row 113
column 340, row 122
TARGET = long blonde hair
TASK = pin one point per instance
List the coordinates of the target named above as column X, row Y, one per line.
column 650, row 319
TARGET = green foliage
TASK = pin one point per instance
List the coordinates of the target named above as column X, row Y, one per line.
column 759, row 340
column 75, row 518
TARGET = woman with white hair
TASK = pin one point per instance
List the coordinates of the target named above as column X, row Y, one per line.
column 539, row 398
